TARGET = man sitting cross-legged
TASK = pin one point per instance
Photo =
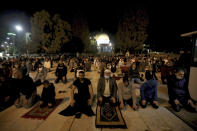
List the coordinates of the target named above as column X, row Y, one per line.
column 80, row 102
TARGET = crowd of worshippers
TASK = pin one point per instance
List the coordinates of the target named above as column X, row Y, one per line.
column 18, row 88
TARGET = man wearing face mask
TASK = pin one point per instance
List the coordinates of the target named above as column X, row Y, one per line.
column 178, row 92
column 41, row 75
column 107, row 89
column 61, row 72
column 148, row 90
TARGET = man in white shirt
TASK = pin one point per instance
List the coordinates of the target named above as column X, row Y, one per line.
column 126, row 94
column 121, row 62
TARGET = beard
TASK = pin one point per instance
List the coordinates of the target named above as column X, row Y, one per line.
column 179, row 78
column 81, row 79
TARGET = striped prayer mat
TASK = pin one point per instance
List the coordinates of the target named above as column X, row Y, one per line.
column 41, row 113
column 189, row 118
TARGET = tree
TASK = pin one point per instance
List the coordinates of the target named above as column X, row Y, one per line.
column 132, row 33
column 40, row 37
column 60, row 35
column 80, row 29
column 73, row 46
column 48, row 33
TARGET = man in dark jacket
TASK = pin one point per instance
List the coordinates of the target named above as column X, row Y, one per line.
column 148, row 90
column 26, row 91
column 134, row 74
column 61, row 72
column 113, row 67
column 7, row 91
column 48, row 95
column 178, row 92
column 107, row 89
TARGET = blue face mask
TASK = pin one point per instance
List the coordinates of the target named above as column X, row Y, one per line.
column 106, row 77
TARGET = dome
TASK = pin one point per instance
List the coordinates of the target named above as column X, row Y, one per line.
column 102, row 39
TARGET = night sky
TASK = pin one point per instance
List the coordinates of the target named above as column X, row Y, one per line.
column 166, row 20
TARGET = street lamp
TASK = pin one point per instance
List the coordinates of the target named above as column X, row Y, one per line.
column 19, row 28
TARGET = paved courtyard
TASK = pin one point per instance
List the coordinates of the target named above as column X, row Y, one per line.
column 147, row 119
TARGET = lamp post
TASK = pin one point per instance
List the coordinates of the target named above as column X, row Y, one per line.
column 20, row 29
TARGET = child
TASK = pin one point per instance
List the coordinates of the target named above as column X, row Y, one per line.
column 48, row 95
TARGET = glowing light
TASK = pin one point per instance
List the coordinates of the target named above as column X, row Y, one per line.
column 11, row 34
column 102, row 39
column 18, row 28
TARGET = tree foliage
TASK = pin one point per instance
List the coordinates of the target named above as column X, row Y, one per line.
column 80, row 29
column 132, row 30
column 48, row 33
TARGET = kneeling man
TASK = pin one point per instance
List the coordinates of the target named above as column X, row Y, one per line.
column 80, row 102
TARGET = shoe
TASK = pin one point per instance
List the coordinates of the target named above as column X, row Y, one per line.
column 136, row 108
column 56, row 81
column 155, row 106
column 64, row 81
column 78, row 115
column 18, row 106
column 177, row 108
column 43, row 105
column 51, row 106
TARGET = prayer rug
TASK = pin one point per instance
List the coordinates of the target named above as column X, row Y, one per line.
column 189, row 118
column 41, row 113
column 108, row 116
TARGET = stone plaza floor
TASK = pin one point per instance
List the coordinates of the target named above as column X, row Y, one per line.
column 147, row 119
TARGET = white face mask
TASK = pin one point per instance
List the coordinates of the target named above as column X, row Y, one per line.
column 106, row 77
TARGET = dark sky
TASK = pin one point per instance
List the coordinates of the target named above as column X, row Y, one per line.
column 167, row 20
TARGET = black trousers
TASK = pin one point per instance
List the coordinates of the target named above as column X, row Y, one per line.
column 38, row 83
column 107, row 100
column 47, row 100
column 183, row 104
column 60, row 78
column 147, row 101
column 129, row 102
column 80, row 106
